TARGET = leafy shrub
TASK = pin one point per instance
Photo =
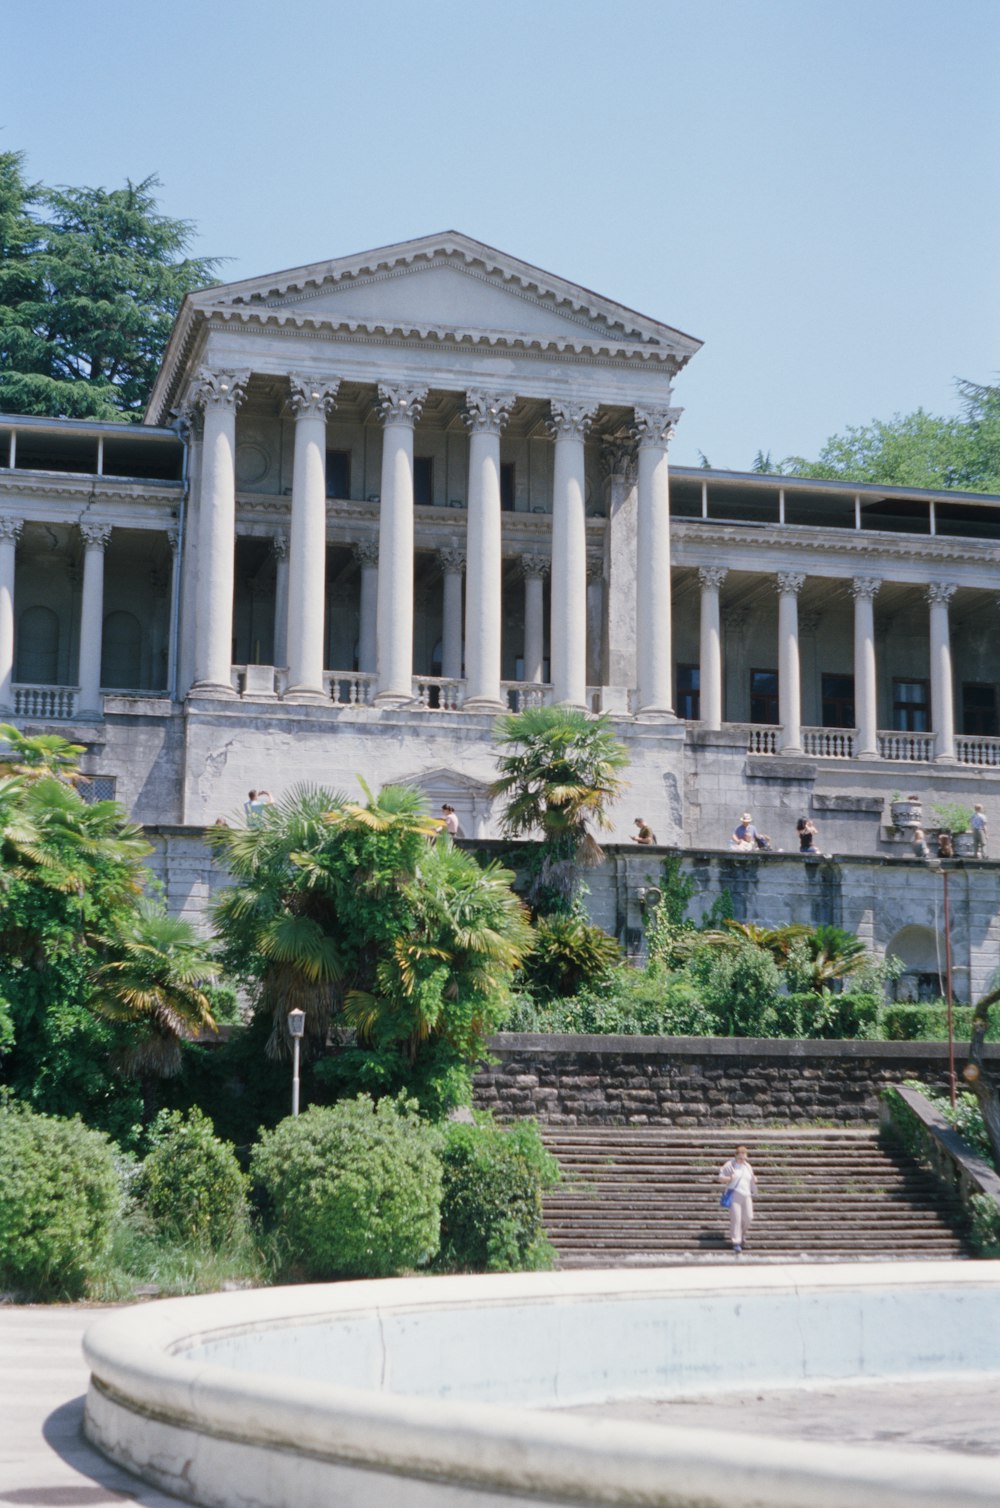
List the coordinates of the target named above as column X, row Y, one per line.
column 354, row 1188
column 929, row 1023
column 569, row 954
column 853, row 1014
column 491, row 1207
column 740, row 986
column 952, row 817
column 985, row 1225
column 59, row 1196
column 190, row 1183
column 631, row 1002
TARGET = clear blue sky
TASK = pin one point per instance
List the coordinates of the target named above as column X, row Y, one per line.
column 809, row 186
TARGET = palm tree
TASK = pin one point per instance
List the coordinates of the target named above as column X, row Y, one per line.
column 156, row 984
column 561, row 775
column 42, row 753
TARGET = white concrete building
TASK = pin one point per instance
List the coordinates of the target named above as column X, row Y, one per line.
column 379, row 498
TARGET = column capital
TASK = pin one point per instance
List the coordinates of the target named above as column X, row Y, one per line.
column 809, row 623
column 711, row 578
column 187, row 419
column 736, row 619
column 222, row 389
column 656, row 426
column 173, row 540
column 312, row 397
column 790, row 582
column 940, row 592
column 487, row 413
column 96, row 536
column 10, row 528
column 279, row 546
column 534, row 565
column 366, row 552
column 400, row 405
column 451, row 561
column 620, row 457
column 570, row 419
column 866, row 586
column 595, row 568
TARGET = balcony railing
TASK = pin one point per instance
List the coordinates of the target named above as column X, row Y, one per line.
column 828, row 743
column 52, row 703
column 982, row 752
column 911, row 748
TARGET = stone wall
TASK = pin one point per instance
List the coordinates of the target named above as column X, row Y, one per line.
column 692, row 1081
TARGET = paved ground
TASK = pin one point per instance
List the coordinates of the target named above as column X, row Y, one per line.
column 44, row 1460
column 946, row 1415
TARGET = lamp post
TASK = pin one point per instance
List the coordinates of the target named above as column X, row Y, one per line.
column 296, row 1030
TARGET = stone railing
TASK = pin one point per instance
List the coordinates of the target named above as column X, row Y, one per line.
column 53, row 703
column 350, row 688
column 519, row 695
column 437, row 694
column 982, row 752
column 829, row 743
column 762, row 738
column 909, row 1117
column 915, row 748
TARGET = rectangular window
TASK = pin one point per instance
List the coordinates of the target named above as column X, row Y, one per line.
column 93, row 788
column 507, row 486
column 338, row 473
column 838, row 701
column 423, row 481
column 689, row 692
column 911, row 707
column 763, row 696
column 979, row 709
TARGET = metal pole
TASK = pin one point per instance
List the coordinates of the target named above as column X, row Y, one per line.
column 947, row 987
column 295, row 1076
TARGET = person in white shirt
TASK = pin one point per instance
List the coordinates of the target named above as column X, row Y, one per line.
column 450, row 820
column 738, row 1175
column 978, row 825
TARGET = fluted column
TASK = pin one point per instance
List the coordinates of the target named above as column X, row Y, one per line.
column 864, row 590
column 366, row 555
column 219, row 394
column 939, row 594
column 279, row 549
column 486, row 414
column 95, row 540
column 10, row 533
column 654, row 661
column 400, row 410
column 311, row 401
column 711, row 579
column 534, row 569
column 789, row 585
column 452, row 563
column 568, row 629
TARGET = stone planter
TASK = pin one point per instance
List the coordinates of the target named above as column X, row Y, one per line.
column 965, row 845
column 906, row 812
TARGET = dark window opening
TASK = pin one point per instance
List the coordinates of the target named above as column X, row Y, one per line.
column 979, row 710
column 338, row 473
column 689, row 692
column 838, row 701
column 763, row 696
column 911, row 708
column 423, row 481
column 507, row 486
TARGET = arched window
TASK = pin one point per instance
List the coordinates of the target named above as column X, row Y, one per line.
column 121, row 652
column 37, row 647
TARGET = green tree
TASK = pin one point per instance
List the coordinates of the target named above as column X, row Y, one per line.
column 561, row 774
column 91, row 280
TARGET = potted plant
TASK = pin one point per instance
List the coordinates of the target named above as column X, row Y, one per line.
column 952, row 817
column 906, row 811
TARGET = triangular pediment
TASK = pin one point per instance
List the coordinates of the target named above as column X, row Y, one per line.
column 449, row 287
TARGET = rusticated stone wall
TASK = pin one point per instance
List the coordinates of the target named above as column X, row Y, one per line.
column 694, row 1081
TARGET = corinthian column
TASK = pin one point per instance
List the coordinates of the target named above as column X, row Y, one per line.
column 219, row 394
column 865, row 589
column 311, row 402
column 452, row 563
column 568, row 632
column 279, row 549
column 654, row 668
column 939, row 594
column 486, row 414
column 534, row 569
column 400, row 410
column 95, row 540
column 711, row 579
column 789, row 585
column 366, row 555
column 10, row 533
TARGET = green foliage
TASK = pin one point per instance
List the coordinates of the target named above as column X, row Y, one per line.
column 190, row 1182
column 953, row 817
column 818, row 957
column 491, row 1207
column 90, row 283
column 354, row 1189
column 929, row 1023
column 739, row 986
column 984, row 1221
column 631, row 1002
column 570, row 954
column 59, row 1195
column 823, row 1014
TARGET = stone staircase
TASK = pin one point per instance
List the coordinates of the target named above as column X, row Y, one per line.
column 646, row 1197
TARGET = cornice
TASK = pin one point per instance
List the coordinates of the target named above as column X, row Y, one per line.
column 804, row 540
column 18, row 485
column 429, row 522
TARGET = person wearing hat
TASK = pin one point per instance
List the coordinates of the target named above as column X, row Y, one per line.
column 744, row 836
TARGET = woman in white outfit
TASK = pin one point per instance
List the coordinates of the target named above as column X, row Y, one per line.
column 738, row 1175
